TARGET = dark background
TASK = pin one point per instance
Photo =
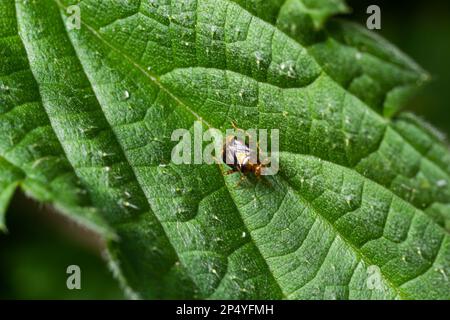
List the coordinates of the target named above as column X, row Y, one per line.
column 420, row 29
column 41, row 244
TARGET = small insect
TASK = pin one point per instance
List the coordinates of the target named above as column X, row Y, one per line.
column 237, row 154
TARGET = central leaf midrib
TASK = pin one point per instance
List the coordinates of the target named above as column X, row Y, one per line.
column 376, row 149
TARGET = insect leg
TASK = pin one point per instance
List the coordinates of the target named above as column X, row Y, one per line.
column 231, row 171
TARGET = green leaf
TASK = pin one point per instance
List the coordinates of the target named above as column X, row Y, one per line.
column 9, row 179
column 360, row 61
column 316, row 11
column 357, row 211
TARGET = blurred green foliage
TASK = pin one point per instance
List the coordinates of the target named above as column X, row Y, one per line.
column 35, row 254
column 421, row 29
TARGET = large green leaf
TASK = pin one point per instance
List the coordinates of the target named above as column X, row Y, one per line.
column 359, row 209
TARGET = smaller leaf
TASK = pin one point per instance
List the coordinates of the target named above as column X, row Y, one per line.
column 362, row 62
column 316, row 11
column 9, row 180
column 321, row 10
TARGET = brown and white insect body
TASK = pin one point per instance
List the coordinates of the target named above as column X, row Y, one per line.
column 240, row 157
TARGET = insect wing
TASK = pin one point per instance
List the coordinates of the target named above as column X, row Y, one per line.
column 236, row 152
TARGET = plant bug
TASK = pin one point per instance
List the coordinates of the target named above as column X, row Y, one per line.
column 237, row 154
